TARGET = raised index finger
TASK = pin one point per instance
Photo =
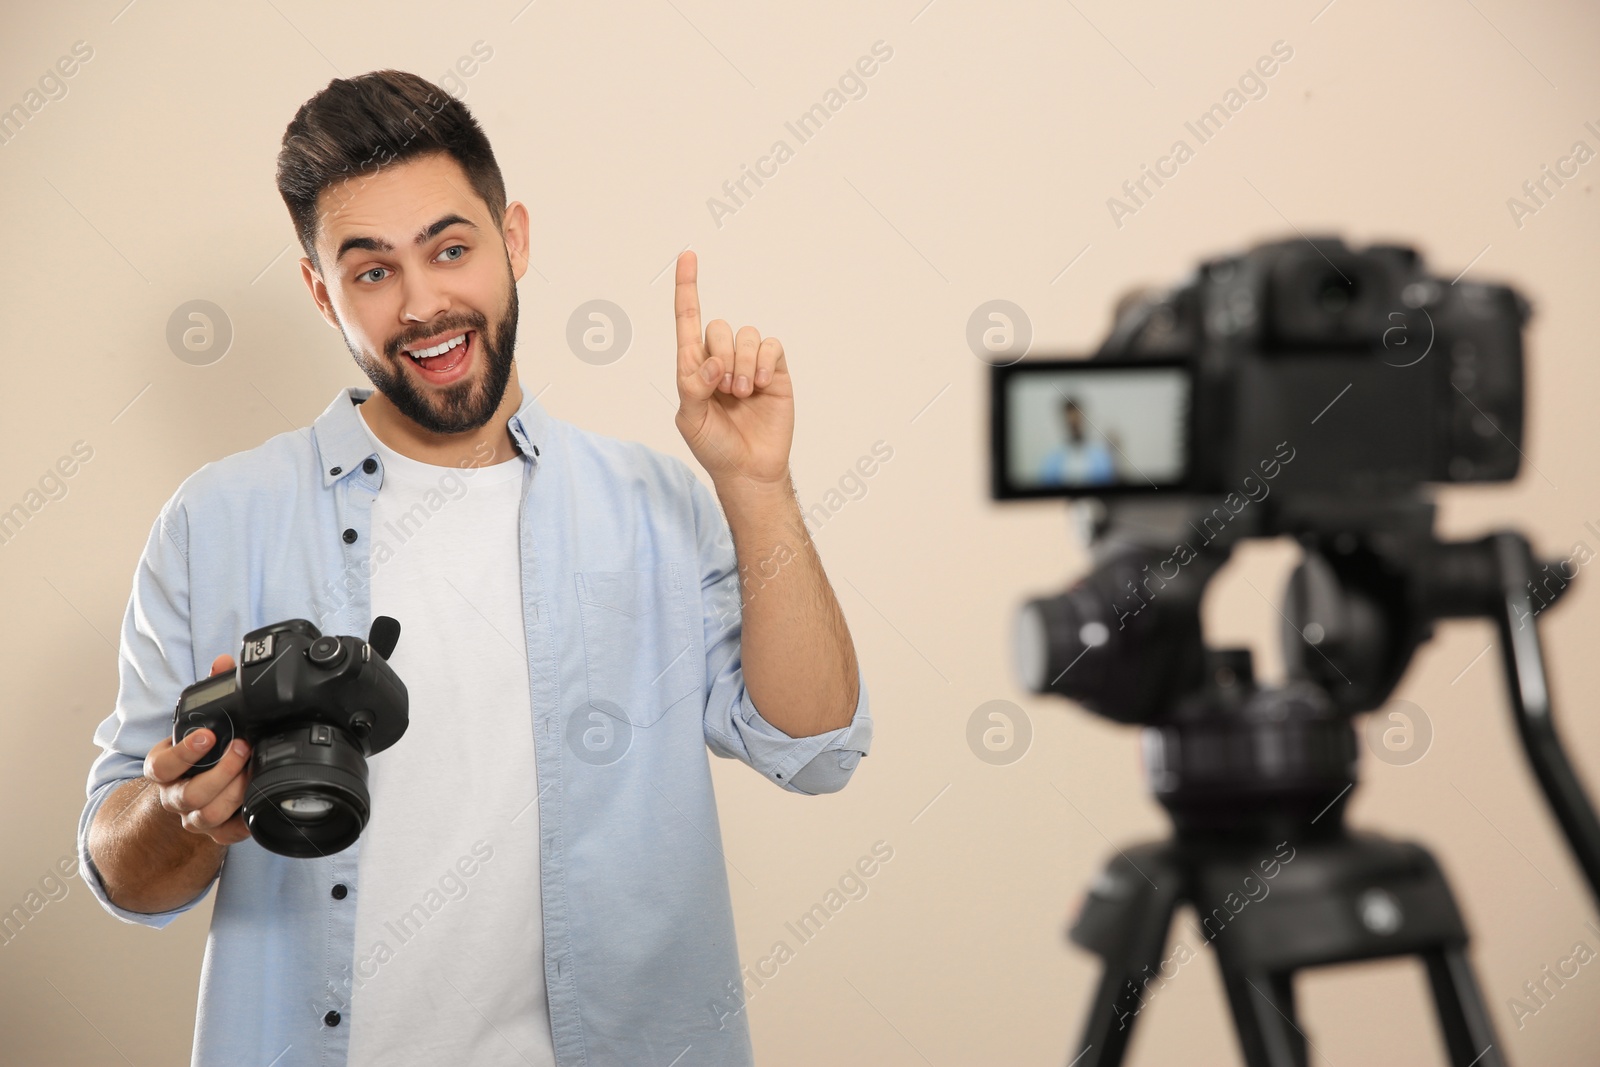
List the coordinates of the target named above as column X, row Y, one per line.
column 686, row 305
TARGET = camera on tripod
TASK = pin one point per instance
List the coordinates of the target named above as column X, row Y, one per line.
column 1307, row 390
column 313, row 708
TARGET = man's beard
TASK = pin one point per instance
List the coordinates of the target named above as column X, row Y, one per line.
column 461, row 406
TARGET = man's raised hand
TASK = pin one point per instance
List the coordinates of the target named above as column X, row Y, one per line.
column 735, row 396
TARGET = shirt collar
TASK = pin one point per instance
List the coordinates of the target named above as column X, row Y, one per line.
column 342, row 442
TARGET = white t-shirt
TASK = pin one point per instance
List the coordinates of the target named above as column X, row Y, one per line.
column 449, row 963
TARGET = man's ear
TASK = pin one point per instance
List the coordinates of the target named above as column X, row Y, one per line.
column 319, row 291
column 514, row 228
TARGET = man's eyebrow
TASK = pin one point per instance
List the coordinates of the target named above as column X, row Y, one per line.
column 377, row 244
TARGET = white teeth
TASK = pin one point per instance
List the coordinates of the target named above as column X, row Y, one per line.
column 437, row 350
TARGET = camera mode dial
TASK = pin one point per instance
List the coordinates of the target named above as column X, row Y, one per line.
column 326, row 652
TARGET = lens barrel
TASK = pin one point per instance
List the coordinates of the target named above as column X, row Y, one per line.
column 308, row 791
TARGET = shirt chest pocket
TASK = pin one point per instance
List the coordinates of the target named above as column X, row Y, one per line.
column 638, row 649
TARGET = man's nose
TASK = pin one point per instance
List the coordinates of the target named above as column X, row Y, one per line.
column 423, row 299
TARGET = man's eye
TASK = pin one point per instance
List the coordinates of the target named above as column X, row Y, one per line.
column 454, row 248
column 367, row 275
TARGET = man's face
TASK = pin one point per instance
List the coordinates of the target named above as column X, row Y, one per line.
column 1074, row 420
column 411, row 260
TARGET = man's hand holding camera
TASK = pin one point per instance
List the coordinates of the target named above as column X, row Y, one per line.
column 208, row 803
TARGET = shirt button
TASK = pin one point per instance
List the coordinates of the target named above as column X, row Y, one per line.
column 370, row 466
column 340, row 891
column 335, row 472
column 331, row 1019
column 349, row 537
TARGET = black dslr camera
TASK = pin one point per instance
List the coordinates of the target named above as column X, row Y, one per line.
column 313, row 707
column 1375, row 374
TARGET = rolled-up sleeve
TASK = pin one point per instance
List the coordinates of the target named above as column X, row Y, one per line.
column 155, row 662
column 734, row 729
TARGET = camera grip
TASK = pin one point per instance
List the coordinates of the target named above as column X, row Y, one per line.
column 182, row 728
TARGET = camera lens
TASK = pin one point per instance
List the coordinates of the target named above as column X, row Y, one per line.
column 306, row 808
column 308, row 791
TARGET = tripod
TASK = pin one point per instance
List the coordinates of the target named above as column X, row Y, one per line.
column 1256, row 781
column 1349, row 897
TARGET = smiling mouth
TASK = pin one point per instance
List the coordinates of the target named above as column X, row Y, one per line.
column 441, row 360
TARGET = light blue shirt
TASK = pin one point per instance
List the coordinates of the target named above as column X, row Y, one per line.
column 1088, row 463
column 630, row 593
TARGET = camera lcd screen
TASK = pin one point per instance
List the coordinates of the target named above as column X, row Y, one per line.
column 217, row 688
column 1081, row 428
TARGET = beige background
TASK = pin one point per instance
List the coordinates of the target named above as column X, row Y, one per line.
column 977, row 166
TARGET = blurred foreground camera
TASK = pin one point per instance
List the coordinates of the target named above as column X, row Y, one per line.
column 313, row 708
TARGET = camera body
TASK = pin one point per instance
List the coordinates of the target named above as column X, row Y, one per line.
column 313, row 707
column 1374, row 375
column 1430, row 372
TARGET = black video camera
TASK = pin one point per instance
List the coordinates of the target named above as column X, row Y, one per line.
column 313, row 707
column 1375, row 376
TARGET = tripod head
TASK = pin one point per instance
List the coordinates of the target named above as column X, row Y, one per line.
column 1230, row 759
column 1203, row 419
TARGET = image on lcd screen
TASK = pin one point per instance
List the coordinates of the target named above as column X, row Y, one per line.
column 1079, row 429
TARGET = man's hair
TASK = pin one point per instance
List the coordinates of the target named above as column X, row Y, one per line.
column 357, row 125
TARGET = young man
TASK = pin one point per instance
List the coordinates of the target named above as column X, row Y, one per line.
column 541, row 881
column 1078, row 458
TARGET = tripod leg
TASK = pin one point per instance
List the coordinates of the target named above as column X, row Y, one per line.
column 1130, row 937
column 1263, row 1014
column 1108, row 1027
column 1463, row 1017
